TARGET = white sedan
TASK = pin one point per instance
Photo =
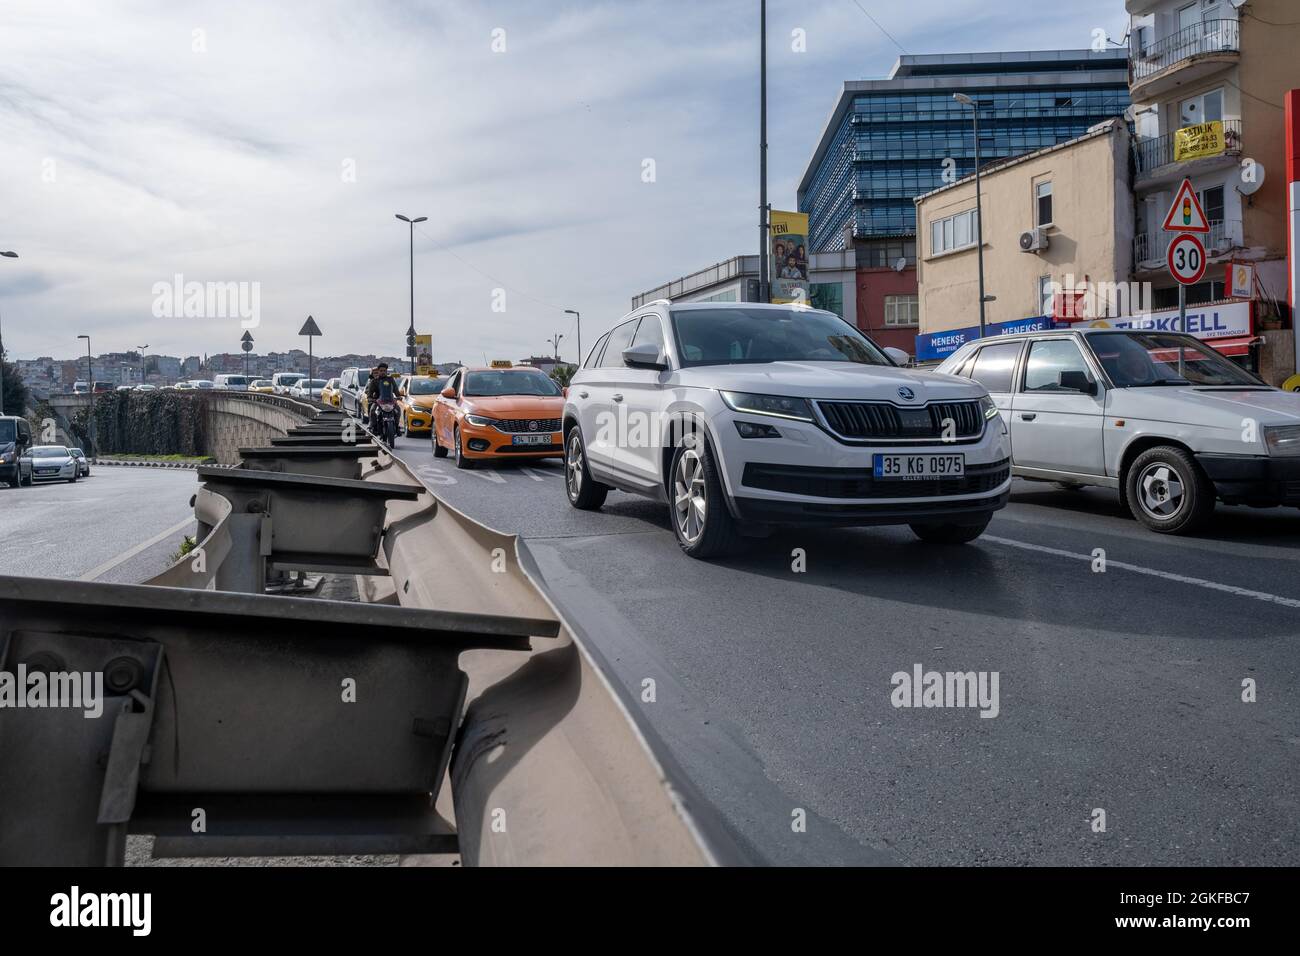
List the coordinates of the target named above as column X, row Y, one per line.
column 307, row 388
column 53, row 463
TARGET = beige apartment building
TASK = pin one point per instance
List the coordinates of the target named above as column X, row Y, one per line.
column 1054, row 220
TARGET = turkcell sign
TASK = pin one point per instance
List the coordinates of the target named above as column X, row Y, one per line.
column 1224, row 321
column 939, row 345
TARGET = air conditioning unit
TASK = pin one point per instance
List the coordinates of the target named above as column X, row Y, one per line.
column 1035, row 240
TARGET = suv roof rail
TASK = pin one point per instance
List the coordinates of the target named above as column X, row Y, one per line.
column 660, row 302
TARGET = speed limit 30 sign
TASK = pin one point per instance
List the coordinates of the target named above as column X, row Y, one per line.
column 1186, row 259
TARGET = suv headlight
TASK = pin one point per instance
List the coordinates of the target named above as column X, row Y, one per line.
column 1282, row 441
column 779, row 406
column 480, row 421
column 990, row 410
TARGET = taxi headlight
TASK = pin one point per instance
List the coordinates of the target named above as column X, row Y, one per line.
column 480, row 421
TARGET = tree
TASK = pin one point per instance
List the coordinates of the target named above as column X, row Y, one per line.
column 16, row 395
column 562, row 375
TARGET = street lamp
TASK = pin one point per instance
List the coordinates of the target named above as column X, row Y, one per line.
column 554, row 342
column 90, row 390
column 979, row 215
column 410, row 332
column 578, row 315
column 144, row 374
column 7, row 255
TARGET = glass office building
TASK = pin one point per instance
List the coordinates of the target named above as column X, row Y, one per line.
column 887, row 141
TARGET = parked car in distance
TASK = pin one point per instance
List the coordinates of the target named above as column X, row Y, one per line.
column 330, row 393
column 307, row 388
column 742, row 417
column 53, row 463
column 202, row 383
column 498, row 413
column 124, row 388
column 352, row 390
column 15, row 439
column 144, row 387
column 83, row 463
column 419, row 395
column 80, row 388
column 231, row 383
column 184, row 386
column 1160, row 417
column 263, row 386
column 281, row 381
column 102, row 387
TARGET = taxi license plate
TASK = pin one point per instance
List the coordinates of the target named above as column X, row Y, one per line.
column 531, row 439
column 906, row 467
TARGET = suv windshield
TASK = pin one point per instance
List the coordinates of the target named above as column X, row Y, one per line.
column 1144, row 359
column 733, row 336
column 8, row 431
column 484, row 384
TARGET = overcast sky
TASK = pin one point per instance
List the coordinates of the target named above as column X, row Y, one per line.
column 273, row 142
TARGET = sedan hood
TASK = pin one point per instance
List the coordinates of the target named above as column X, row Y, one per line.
column 833, row 380
column 1224, row 407
column 516, row 406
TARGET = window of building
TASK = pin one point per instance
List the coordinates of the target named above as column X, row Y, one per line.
column 954, row 232
column 901, row 310
column 1201, row 109
column 1043, row 204
column 1045, row 295
column 1212, row 203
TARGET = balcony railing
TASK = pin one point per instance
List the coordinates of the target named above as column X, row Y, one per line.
column 1156, row 151
column 1149, row 249
column 1209, row 36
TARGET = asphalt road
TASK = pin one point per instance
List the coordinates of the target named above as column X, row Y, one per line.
column 96, row 527
column 1119, row 690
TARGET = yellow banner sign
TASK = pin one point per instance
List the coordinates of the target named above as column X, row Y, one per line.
column 789, row 276
column 1203, row 139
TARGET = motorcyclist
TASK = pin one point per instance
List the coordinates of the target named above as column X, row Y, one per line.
column 380, row 387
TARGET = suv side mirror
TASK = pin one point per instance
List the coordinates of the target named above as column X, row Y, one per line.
column 646, row 355
column 1076, row 380
column 898, row 355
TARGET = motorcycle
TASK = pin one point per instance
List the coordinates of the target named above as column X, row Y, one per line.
column 383, row 419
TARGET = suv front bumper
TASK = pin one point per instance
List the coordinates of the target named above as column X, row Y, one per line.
column 1253, row 479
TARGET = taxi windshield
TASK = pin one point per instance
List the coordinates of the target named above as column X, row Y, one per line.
column 486, row 384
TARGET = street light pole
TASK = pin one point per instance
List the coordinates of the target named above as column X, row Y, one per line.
column 763, row 292
column 144, row 367
column 90, row 390
column 554, row 342
column 7, row 255
column 411, row 330
column 979, row 213
column 575, row 312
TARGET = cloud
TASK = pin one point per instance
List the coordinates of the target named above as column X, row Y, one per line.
column 149, row 138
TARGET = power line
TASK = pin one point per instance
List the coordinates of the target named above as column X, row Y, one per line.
column 503, row 284
column 878, row 26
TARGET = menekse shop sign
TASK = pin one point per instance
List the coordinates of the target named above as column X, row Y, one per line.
column 1226, row 320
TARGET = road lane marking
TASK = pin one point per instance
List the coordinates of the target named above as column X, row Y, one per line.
column 127, row 555
column 1152, row 572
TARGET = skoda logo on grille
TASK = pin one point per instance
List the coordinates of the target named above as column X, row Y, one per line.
column 906, row 394
column 532, row 426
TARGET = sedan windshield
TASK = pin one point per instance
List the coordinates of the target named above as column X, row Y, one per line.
column 484, row 384
column 733, row 336
column 1148, row 359
column 49, row 451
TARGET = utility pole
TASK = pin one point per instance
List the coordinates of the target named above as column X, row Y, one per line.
column 410, row 331
column 764, row 293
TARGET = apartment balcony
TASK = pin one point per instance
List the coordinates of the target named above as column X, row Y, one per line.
column 1184, row 57
column 1149, row 249
column 1157, row 159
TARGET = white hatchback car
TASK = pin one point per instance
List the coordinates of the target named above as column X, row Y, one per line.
column 1161, row 417
column 744, row 416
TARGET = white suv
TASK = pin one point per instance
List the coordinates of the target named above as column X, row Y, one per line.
column 1161, row 417
column 743, row 416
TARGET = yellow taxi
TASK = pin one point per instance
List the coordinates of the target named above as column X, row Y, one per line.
column 330, row 394
column 417, row 394
column 262, row 385
column 498, row 413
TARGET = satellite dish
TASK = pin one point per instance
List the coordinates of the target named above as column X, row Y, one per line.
column 1252, row 177
column 900, row 263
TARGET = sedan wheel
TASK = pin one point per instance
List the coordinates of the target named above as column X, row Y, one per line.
column 1162, row 491
column 1167, row 492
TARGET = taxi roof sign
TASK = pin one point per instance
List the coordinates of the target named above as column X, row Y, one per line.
column 502, row 363
column 1186, row 214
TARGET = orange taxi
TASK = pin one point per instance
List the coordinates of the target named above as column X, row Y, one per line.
column 498, row 413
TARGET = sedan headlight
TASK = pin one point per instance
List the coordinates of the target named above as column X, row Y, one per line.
column 779, row 406
column 1282, row 441
column 481, row 421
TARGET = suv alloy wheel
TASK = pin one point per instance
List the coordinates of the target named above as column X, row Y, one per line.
column 701, row 521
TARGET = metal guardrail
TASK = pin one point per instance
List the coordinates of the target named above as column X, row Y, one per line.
column 1199, row 39
column 289, row 725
